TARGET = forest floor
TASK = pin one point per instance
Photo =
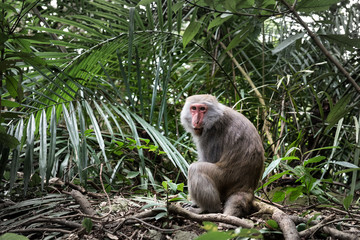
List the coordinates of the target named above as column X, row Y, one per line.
column 77, row 214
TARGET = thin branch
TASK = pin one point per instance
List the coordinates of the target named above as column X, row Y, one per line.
column 321, row 46
column 39, row 230
column 103, row 188
column 52, row 35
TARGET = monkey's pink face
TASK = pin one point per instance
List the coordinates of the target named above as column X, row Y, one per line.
column 198, row 111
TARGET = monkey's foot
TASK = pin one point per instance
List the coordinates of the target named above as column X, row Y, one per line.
column 192, row 207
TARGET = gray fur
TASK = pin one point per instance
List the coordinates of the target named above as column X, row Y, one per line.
column 230, row 158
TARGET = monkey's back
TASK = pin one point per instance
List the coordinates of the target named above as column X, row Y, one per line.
column 233, row 143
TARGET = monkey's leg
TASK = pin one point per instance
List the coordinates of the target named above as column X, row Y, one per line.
column 239, row 204
column 202, row 187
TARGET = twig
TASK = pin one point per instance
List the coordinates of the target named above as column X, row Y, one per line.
column 103, row 188
column 52, row 35
column 312, row 230
column 214, row 217
column 152, row 226
column 39, row 230
column 321, row 46
column 59, row 221
column 336, row 234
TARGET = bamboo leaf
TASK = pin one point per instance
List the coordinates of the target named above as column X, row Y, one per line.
column 52, row 146
column 96, row 130
column 191, row 32
column 217, row 21
column 43, row 147
column 83, row 154
column 156, row 83
column 315, row 6
column 104, row 117
column 29, row 154
column 338, row 111
column 15, row 157
column 145, row 2
column 73, row 130
column 287, row 42
column 160, row 14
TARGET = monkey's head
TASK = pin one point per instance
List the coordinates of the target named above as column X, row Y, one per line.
column 200, row 113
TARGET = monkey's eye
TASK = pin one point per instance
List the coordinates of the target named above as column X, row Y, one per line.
column 202, row 108
column 193, row 108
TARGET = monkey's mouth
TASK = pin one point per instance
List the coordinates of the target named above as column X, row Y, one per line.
column 198, row 131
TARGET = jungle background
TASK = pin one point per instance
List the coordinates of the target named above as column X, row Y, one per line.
column 91, row 94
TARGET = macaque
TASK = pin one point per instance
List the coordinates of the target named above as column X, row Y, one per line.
column 230, row 157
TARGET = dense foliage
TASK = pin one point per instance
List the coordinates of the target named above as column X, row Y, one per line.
column 92, row 83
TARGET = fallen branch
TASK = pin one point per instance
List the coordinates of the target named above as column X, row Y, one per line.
column 286, row 224
column 336, row 234
column 213, row 217
column 83, row 202
column 310, row 231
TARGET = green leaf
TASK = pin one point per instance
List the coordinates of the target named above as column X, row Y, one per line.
column 29, row 154
column 180, row 187
column 12, row 236
column 43, row 147
column 191, row 32
column 315, row 5
column 347, row 202
column 338, row 111
column 177, row 6
column 96, row 129
column 314, row 160
column 9, row 9
column 219, row 21
column 275, row 163
column 7, row 140
column 279, row 196
column 161, row 215
column 345, row 164
column 12, row 85
column 87, row 224
column 52, row 147
column 239, row 37
column 287, row 42
column 274, row 178
column 145, row 2
column 295, row 193
column 132, row 174
column 343, row 40
column 165, row 185
column 272, row 224
column 215, row 236
column 210, row 226
column 7, row 103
